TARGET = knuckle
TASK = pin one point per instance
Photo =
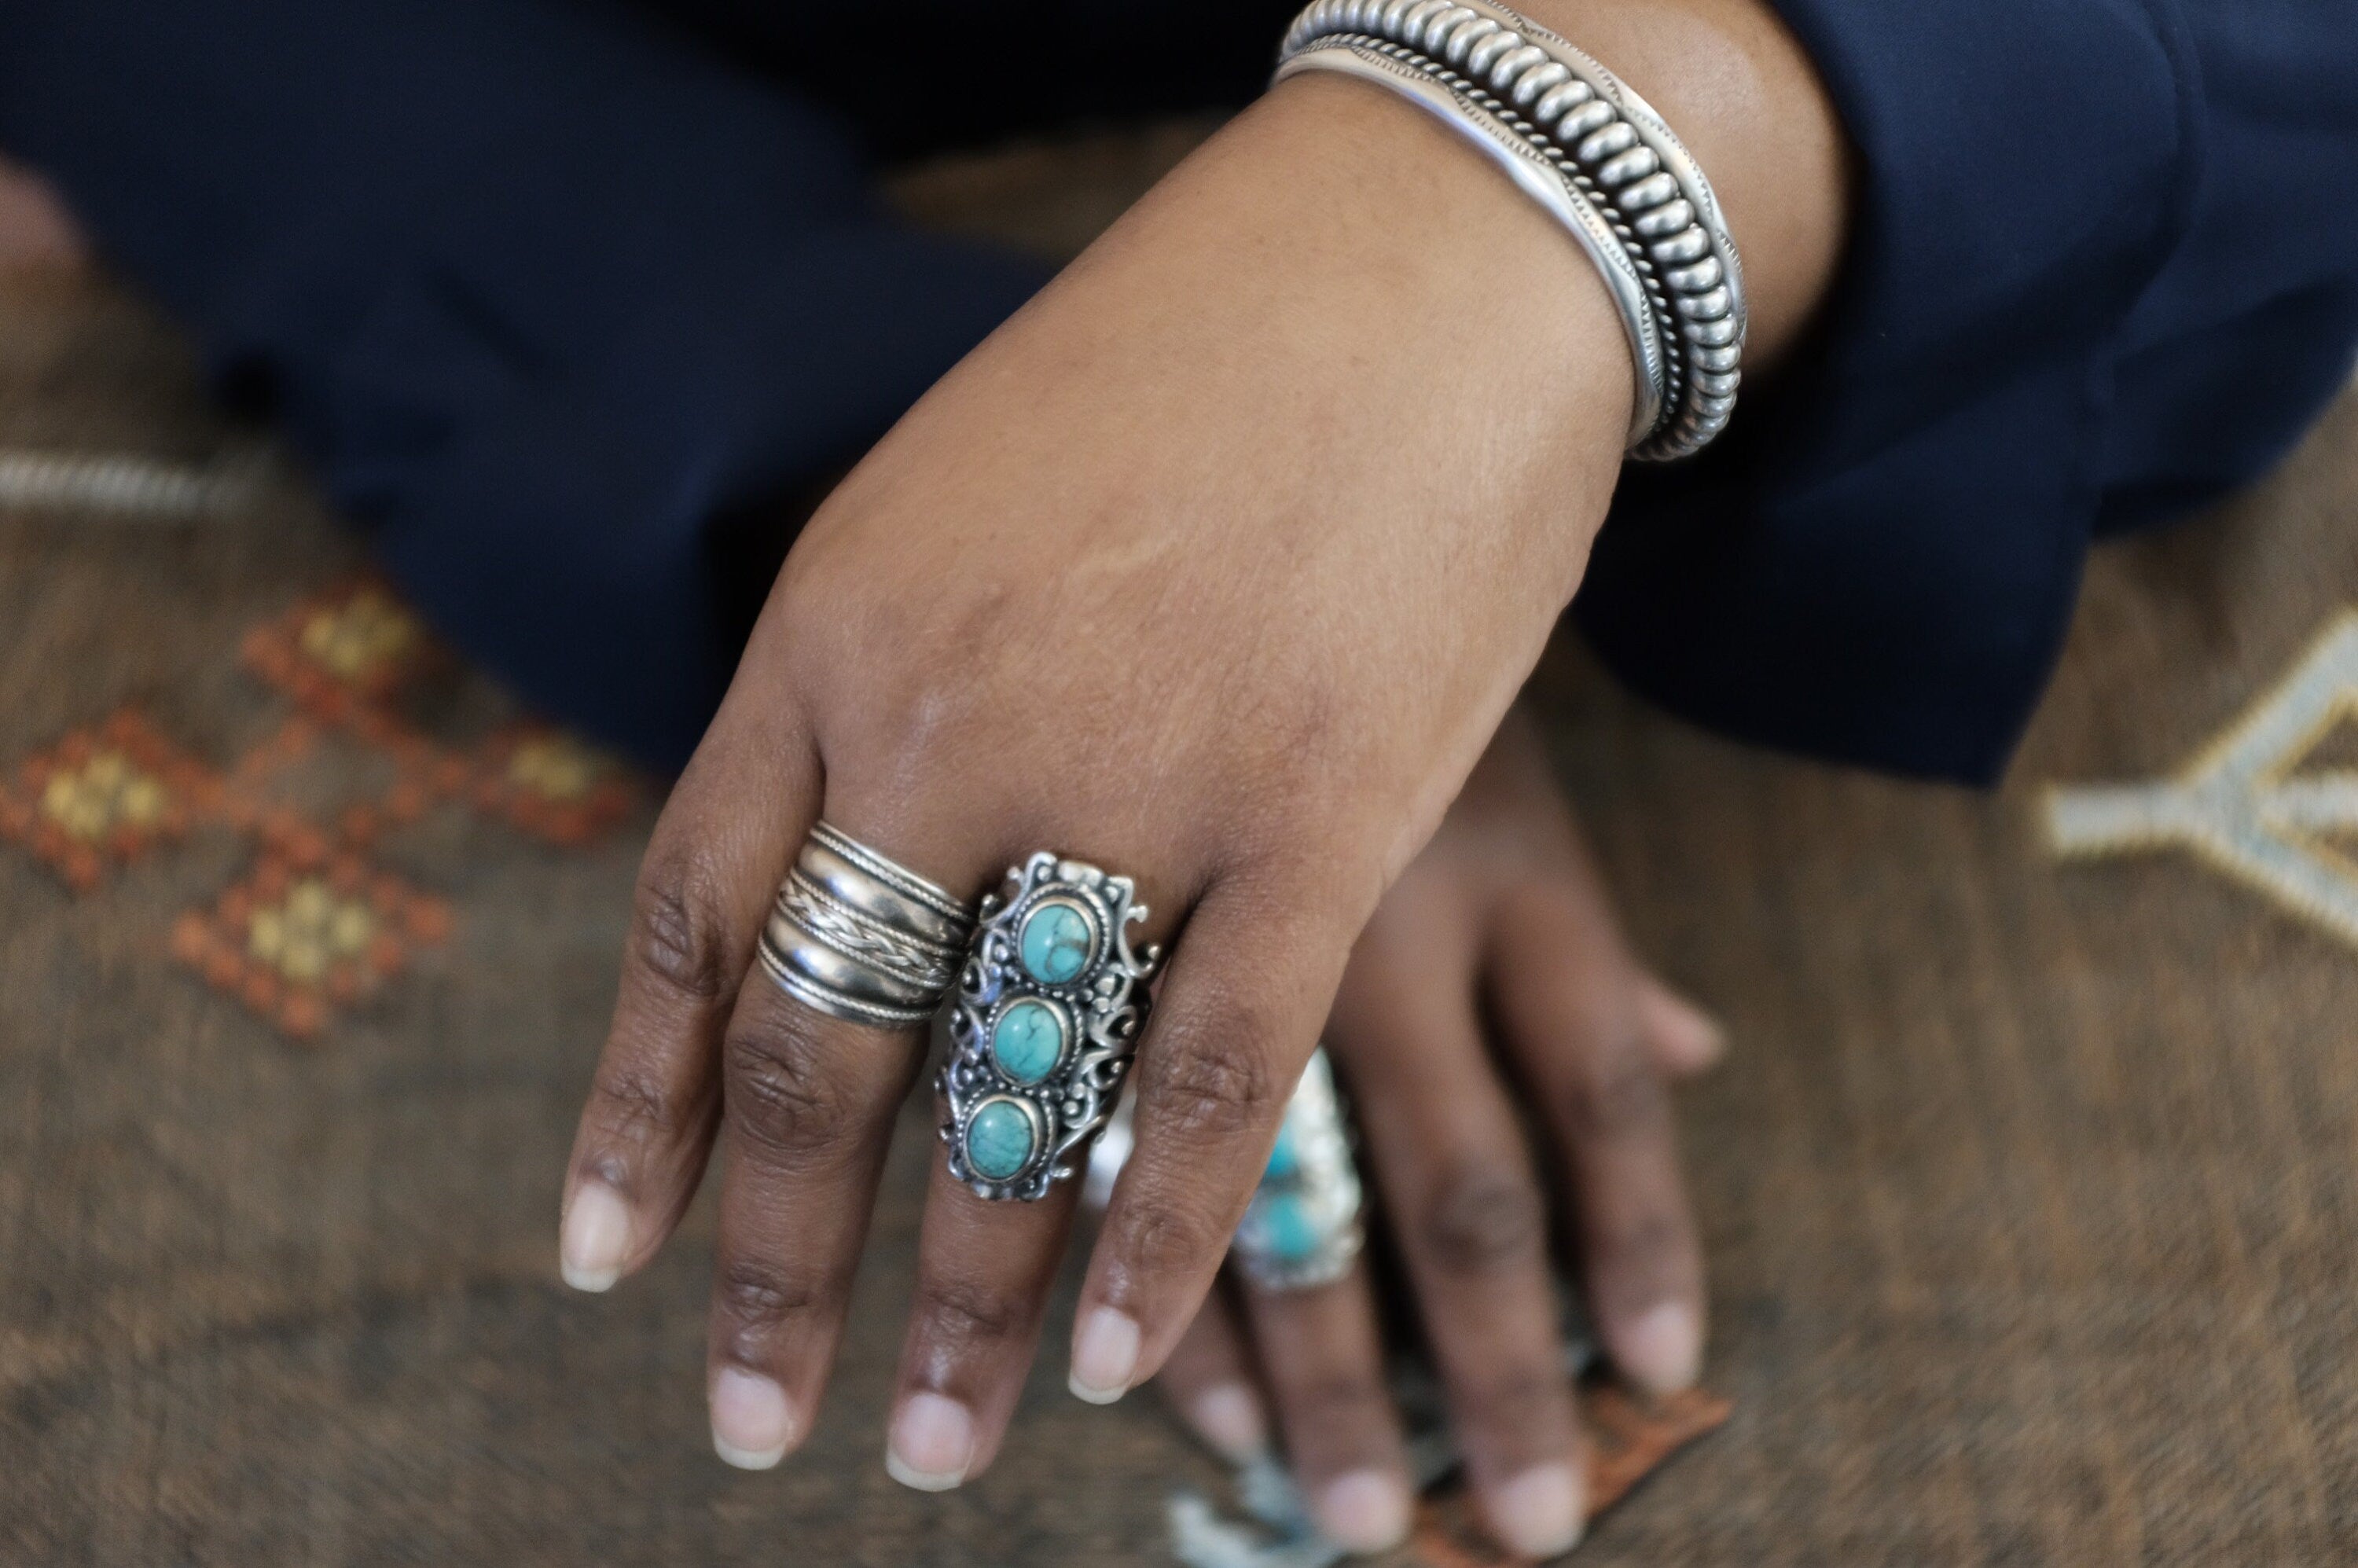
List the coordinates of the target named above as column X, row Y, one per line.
column 1204, row 1091
column 1615, row 1093
column 757, row 1295
column 679, row 936
column 1481, row 1219
column 635, row 1103
column 962, row 1313
column 1156, row 1242
column 1645, row 1253
column 783, row 1103
column 1525, row 1401
column 1340, row 1398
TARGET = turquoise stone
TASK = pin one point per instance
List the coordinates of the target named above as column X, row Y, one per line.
column 1284, row 1160
column 999, row 1140
column 1292, row 1234
column 1027, row 1042
column 1056, row 944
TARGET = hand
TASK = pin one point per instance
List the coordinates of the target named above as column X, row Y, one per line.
column 1219, row 566
column 1503, row 916
column 34, row 228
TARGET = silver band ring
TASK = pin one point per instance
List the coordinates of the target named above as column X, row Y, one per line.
column 858, row 937
column 1303, row 1228
column 1050, row 1005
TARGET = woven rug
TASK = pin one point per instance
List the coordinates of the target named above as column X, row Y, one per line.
column 2026, row 1188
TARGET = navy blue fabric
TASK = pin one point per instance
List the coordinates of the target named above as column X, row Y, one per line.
column 542, row 290
column 548, row 291
column 2103, row 268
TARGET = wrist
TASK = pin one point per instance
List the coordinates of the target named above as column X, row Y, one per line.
column 1461, row 285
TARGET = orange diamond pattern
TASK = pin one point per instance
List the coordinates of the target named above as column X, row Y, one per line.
column 103, row 798
column 316, row 926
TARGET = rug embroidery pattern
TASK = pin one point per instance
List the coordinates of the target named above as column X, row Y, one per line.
column 2243, row 805
column 313, row 926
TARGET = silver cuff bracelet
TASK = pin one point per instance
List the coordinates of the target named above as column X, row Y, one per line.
column 1575, row 138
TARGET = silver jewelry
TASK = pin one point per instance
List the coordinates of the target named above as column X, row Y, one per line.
column 1049, row 1008
column 1574, row 137
column 858, row 937
column 1302, row 1227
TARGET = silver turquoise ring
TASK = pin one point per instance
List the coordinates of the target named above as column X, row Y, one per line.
column 1050, row 1005
column 856, row 935
column 1302, row 1229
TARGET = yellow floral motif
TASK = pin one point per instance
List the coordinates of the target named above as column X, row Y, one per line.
column 106, row 793
column 554, row 767
column 364, row 634
column 312, row 928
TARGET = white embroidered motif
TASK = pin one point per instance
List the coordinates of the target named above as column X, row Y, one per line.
column 126, row 485
column 2240, row 805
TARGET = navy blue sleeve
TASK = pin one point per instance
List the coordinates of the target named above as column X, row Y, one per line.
column 2103, row 268
column 541, row 289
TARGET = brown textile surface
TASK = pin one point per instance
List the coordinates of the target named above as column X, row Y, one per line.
column 2026, row 1188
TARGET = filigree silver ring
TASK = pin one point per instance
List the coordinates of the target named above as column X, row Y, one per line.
column 1302, row 1229
column 1050, row 1005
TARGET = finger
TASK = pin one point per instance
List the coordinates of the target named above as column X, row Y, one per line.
column 707, row 878
column 814, row 1077
column 983, row 1274
column 1247, row 989
column 1469, row 1212
column 1324, row 1359
column 810, row 1102
column 1569, row 1015
column 1210, row 1381
column 1685, row 1038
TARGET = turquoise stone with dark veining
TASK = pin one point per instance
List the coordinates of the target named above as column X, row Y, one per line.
column 1292, row 1234
column 1027, row 1042
column 999, row 1140
column 1056, row 944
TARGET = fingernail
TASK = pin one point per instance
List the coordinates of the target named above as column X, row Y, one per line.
column 1366, row 1510
column 932, row 1443
column 1105, row 1356
column 752, row 1423
column 596, row 1238
column 1662, row 1350
column 1230, row 1419
column 1538, row 1513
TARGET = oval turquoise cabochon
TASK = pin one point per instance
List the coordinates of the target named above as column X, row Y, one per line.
column 1000, row 1140
column 1028, row 1040
column 1057, row 941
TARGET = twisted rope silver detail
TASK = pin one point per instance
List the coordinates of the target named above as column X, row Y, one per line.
column 863, row 938
column 1619, row 161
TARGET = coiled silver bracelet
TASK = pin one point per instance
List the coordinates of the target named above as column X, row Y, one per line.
column 1576, row 139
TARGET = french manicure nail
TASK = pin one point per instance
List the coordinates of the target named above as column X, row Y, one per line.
column 752, row 1423
column 1366, row 1510
column 932, row 1443
column 1105, row 1356
column 1230, row 1419
column 596, row 1238
column 1663, row 1349
column 1539, row 1513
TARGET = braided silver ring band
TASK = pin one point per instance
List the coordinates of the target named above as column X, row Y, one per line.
column 858, row 937
column 1303, row 1228
column 1576, row 138
column 1050, row 1006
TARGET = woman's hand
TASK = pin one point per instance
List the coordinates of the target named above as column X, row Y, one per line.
column 1501, row 921
column 1217, row 567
